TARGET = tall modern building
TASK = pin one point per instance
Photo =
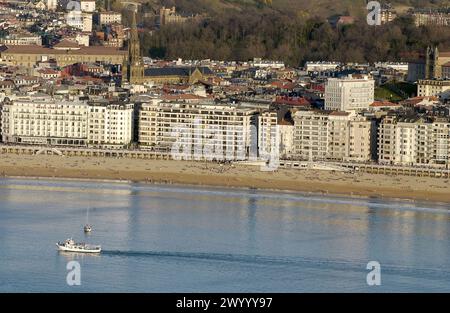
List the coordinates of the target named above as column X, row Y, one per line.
column 134, row 66
column 349, row 94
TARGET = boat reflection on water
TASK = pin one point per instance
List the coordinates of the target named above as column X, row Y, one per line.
column 72, row 256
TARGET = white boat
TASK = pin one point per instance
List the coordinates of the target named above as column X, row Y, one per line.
column 71, row 246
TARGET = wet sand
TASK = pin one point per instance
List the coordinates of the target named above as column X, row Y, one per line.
column 238, row 176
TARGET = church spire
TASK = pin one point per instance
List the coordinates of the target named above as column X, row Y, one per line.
column 135, row 70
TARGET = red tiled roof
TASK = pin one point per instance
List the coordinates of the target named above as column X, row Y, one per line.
column 346, row 20
column 66, row 43
column 384, row 104
column 292, row 101
column 283, row 84
column 316, row 87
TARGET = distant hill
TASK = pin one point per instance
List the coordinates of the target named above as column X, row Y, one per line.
column 308, row 8
column 289, row 30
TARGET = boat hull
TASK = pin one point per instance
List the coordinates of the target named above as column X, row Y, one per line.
column 79, row 250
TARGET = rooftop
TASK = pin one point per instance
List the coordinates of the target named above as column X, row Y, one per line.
column 176, row 71
column 32, row 49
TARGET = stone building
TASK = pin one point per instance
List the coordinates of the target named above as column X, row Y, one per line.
column 27, row 56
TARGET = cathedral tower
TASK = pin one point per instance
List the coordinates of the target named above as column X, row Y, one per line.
column 135, row 68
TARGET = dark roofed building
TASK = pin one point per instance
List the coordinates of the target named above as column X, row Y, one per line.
column 174, row 74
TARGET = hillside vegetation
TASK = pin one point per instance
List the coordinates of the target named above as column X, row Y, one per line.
column 289, row 30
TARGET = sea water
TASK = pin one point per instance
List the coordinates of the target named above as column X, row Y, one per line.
column 159, row 238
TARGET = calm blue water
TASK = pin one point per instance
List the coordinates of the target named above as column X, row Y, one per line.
column 186, row 239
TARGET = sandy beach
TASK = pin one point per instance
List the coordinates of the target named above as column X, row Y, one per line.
column 239, row 176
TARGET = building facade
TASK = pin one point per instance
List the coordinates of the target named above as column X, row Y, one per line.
column 110, row 125
column 21, row 39
column 268, row 132
column 87, row 5
column 321, row 66
column 170, row 16
column 27, row 56
column 350, row 93
column 51, row 5
column 431, row 18
column 79, row 20
column 109, row 17
column 42, row 120
column 432, row 87
column 434, row 61
column 217, row 131
column 336, row 136
column 413, row 141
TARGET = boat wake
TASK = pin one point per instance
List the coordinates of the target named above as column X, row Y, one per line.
column 290, row 261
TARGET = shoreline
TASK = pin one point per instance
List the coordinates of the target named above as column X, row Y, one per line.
column 181, row 185
column 190, row 173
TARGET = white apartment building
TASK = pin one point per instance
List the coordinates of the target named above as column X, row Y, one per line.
column 110, row 17
column 219, row 131
column 43, row 120
column 51, row 5
column 431, row 18
column 338, row 136
column 87, row 6
column 268, row 132
column 260, row 63
column 349, row 94
column 398, row 66
column 432, row 87
column 21, row 39
column 413, row 141
column 321, row 66
column 286, row 131
column 80, row 20
column 387, row 16
column 111, row 125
